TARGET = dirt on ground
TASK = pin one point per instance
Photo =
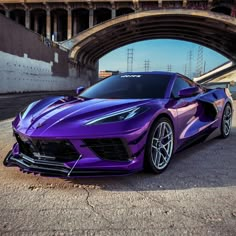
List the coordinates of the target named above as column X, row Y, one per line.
column 196, row 195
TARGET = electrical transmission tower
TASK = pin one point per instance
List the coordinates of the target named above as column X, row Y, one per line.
column 130, row 59
column 199, row 65
column 204, row 67
column 169, row 67
column 146, row 65
column 190, row 58
column 185, row 69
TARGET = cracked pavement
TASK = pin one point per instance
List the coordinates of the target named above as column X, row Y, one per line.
column 196, row 195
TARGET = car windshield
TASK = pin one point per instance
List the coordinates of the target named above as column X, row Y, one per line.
column 129, row 86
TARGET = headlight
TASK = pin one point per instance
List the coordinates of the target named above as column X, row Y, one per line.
column 118, row 116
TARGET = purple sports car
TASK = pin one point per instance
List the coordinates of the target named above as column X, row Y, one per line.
column 120, row 125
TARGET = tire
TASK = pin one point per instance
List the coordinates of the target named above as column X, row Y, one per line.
column 160, row 146
column 226, row 121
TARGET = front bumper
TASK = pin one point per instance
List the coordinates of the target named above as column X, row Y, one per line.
column 55, row 169
column 100, row 156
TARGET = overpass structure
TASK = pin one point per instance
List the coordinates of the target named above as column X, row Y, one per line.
column 88, row 30
column 212, row 30
column 225, row 73
column 61, row 19
column 223, row 76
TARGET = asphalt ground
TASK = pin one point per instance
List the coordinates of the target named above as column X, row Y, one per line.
column 196, row 195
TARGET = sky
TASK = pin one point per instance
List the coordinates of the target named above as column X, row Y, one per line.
column 161, row 53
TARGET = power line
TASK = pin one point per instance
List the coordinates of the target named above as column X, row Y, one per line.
column 130, row 59
column 146, row 65
column 185, row 69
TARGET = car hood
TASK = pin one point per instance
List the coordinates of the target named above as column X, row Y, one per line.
column 56, row 115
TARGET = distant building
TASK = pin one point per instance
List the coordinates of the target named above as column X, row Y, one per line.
column 105, row 73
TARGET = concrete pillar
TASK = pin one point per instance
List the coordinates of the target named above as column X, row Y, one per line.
column 36, row 23
column 74, row 25
column 184, row 3
column 55, row 27
column 113, row 13
column 210, row 3
column 69, row 23
column 17, row 19
column 7, row 13
column 27, row 18
column 91, row 17
column 48, row 24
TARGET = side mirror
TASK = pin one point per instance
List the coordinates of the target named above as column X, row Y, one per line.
column 188, row 92
column 80, row 90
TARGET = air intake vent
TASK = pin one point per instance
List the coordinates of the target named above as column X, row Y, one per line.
column 110, row 149
column 58, row 150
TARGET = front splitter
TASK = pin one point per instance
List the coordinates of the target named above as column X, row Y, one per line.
column 55, row 169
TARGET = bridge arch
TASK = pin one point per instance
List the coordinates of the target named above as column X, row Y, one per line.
column 80, row 20
column 38, row 20
column 209, row 29
column 59, row 24
column 101, row 14
column 18, row 15
column 123, row 11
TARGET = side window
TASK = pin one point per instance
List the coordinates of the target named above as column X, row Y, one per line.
column 179, row 84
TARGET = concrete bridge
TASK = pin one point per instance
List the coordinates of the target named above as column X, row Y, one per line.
column 61, row 19
column 214, row 30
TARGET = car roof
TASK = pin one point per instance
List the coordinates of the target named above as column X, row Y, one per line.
column 151, row 73
column 171, row 74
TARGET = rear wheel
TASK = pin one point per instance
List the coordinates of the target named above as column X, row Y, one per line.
column 226, row 121
column 160, row 146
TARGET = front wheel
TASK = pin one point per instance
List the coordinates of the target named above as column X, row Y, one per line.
column 160, row 146
column 226, row 122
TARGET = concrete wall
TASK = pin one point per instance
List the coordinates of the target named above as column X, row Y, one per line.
column 18, row 74
column 30, row 63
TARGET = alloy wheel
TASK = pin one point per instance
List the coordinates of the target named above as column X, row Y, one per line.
column 162, row 145
column 227, row 119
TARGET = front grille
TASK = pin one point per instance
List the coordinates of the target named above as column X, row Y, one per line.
column 54, row 150
column 110, row 148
